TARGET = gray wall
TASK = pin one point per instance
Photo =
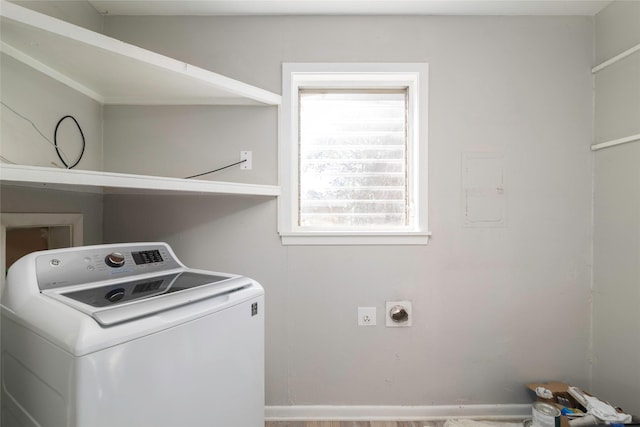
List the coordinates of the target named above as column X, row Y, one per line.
column 494, row 308
column 616, row 271
column 180, row 141
column 78, row 12
column 19, row 199
column 44, row 101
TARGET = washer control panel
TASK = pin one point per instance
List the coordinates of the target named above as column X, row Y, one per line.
column 76, row 266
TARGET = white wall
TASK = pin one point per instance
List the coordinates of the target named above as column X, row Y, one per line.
column 494, row 308
column 616, row 270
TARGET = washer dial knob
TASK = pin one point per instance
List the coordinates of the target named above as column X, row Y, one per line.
column 115, row 295
column 114, row 259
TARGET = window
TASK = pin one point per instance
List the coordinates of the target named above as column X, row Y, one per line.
column 353, row 154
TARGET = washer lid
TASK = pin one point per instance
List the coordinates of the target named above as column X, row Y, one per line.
column 121, row 293
column 123, row 301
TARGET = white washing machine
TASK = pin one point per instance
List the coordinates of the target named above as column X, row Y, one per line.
column 126, row 335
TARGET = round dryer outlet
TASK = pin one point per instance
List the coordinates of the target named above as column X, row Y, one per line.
column 398, row 314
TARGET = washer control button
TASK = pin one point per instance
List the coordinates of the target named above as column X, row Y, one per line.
column 114, row 259
column 115, row 295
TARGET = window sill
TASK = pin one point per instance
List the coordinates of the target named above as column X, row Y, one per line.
column 321, row 238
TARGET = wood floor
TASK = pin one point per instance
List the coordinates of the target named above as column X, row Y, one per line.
column 417, row 423
column 353, row 423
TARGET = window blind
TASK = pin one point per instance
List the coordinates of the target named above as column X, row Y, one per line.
column 353, row 158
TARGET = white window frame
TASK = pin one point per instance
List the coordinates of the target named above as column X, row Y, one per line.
column 413, row 76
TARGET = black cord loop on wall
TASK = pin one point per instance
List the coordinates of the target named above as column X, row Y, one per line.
column 55, row 142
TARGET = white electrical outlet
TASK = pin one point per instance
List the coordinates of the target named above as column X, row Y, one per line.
column 366, row 316
column 247, row 156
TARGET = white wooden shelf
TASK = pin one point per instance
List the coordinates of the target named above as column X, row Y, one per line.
column 119, row 183
column 113, row 72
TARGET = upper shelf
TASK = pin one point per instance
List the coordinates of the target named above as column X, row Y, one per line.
column 119, row 183
column 113, row 72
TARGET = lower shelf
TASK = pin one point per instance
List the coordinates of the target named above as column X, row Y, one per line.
column 119, row 183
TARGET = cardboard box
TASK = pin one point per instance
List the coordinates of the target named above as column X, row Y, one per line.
column 562, row 389
column 558, row 389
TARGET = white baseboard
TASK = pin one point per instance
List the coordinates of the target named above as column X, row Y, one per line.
column 396, row 413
